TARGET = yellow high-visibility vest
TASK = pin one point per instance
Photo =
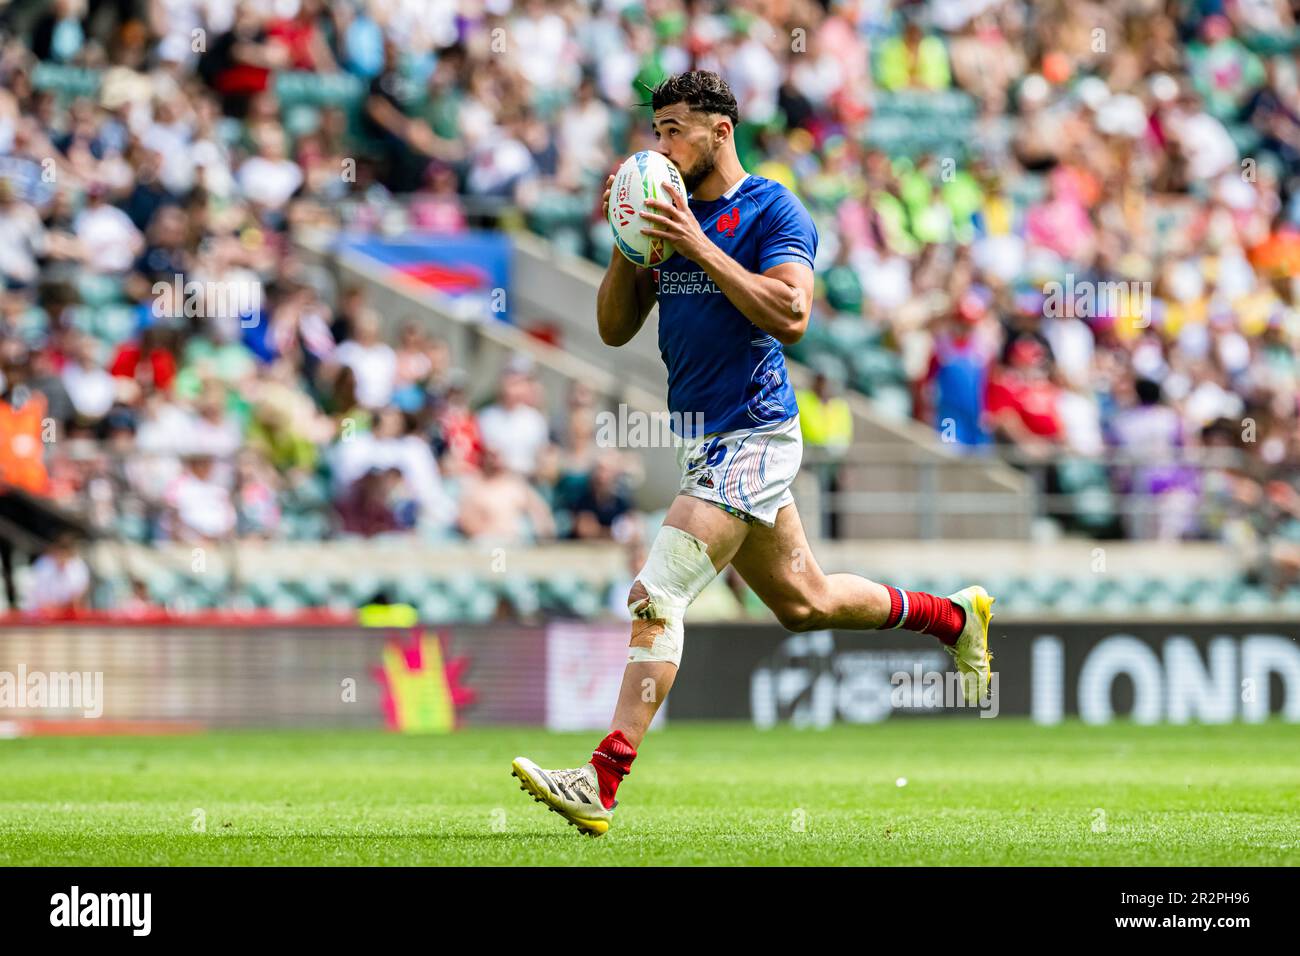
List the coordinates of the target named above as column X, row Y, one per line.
column 388, row 615
column 823, row 424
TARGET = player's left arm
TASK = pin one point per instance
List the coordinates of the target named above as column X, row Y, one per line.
column 778, row 300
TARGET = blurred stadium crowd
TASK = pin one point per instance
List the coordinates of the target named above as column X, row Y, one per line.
column 162, row 420
column 963, row 159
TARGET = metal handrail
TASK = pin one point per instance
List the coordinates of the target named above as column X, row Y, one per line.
column 894, row 454
column 918, row 493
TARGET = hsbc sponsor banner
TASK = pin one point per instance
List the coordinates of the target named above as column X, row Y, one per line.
column 1098, row 672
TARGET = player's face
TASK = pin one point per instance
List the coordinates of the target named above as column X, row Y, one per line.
column 687, row 138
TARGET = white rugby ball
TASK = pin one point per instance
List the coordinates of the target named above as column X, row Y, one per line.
column 641, row 177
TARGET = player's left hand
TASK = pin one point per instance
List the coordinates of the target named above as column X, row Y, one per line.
column 676, row 223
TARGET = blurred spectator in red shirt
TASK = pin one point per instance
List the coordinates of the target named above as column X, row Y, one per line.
column 1022, row 401
column 149, row 360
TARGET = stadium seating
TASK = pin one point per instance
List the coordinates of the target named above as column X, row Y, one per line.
column 909, row 123
column 468, row 599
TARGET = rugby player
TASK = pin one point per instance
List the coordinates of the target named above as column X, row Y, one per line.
column 738, row 287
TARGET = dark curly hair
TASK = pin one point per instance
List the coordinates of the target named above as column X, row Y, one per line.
column 701, row 90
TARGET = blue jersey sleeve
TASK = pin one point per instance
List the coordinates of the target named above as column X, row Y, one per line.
column 788, row 233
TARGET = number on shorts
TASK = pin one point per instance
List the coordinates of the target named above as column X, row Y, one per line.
column 714, row 452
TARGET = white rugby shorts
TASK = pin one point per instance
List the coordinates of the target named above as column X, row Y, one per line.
column 748, row 471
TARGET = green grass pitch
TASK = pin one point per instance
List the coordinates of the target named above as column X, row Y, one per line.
column 978, row 792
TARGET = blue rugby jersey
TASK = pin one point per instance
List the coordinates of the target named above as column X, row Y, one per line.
column 721, row 365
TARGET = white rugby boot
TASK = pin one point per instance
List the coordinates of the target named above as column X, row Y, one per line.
column 573, row 794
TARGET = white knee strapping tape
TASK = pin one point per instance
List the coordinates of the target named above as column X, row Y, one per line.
column 676, row 571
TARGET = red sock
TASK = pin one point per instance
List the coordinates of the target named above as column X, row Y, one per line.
column 612, row 759
column 930, row 614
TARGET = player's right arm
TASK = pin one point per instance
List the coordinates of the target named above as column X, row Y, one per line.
column 626, row 294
